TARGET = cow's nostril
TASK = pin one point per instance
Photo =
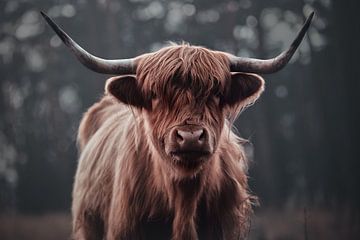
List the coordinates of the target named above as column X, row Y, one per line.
column 190, row 137
column 178, row 136
column 198, row 135
column 202, row 136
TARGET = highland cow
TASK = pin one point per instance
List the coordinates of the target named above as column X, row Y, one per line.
column 158, row 157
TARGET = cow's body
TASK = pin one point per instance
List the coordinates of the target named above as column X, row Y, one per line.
column 158, row 157
column 119, row 187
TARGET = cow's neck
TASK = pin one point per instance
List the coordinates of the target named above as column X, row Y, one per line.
column 187, row 193
column 190, row 192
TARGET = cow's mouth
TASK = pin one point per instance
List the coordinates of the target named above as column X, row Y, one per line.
column 189, row 160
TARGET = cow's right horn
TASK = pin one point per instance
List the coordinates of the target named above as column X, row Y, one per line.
column 253, row 65
column 100, row 65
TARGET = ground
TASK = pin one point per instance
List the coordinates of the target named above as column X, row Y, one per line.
column 266, row 225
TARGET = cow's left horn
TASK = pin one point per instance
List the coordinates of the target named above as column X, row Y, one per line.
column 252, row 65
column 116, row 66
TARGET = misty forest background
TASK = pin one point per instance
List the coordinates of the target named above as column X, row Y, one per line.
column 304, row 130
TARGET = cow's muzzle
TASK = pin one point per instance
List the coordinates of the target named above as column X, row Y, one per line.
column 189, row 145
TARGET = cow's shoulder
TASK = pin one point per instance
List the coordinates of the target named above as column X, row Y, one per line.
column 95, row 117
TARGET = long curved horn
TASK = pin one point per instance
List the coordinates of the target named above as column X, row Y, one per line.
column 117, row 66
column 252, row 65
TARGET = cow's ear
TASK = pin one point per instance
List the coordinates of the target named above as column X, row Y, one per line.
column 243, row 89
column 126, row 90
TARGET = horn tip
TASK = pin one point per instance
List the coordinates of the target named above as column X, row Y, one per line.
column 308, row 21
column 44, row 15
column 311, row 16
column 63, row 36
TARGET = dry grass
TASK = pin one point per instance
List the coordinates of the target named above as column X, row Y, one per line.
column 267, row 225
column 49, row 227
column 289, row 225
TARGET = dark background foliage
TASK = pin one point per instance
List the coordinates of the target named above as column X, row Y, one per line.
column 304, row 130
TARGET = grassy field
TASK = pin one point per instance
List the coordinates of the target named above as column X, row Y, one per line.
column 266, row 225
column 290, row 225
column 55, row 226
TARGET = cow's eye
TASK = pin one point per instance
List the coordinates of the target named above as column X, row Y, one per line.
column 218, row 94
column 216, row 91
column 153, row 95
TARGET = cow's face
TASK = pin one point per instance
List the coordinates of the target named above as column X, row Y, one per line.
column 184, row 95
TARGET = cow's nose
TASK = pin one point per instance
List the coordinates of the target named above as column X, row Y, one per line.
column 190, row 137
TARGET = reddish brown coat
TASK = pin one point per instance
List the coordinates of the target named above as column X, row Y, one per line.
column 123, row 185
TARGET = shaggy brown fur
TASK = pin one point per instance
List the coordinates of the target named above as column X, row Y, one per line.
column 126, row 187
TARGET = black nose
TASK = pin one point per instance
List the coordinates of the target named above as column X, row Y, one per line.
column 189, row 142
column 191, row 138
